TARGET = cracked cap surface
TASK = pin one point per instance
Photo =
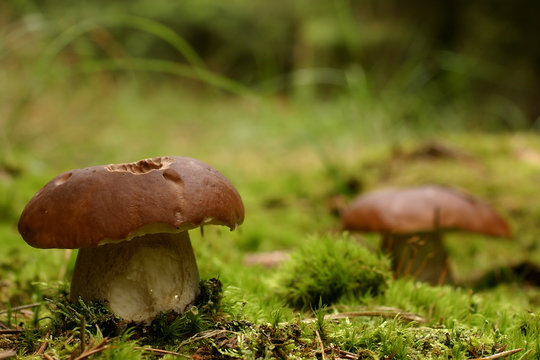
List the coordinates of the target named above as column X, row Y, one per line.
column 112, row 203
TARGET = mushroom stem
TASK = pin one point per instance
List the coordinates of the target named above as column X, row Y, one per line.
column 139, row 278
column 421, row 256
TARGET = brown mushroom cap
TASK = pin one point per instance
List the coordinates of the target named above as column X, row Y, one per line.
column 111, row 203
column 412, row 210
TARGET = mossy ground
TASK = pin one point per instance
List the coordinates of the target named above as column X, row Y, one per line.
column 295, row 161
column 290, row 199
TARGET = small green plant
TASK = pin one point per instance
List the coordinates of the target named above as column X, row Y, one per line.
column 210, row 296
column 170, row 327
column 121, row 349
column 326, row 269
column 67, row 315
column 252, row 341
column 320, row 324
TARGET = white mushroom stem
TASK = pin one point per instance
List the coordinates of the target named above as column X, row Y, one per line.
column 139, row 278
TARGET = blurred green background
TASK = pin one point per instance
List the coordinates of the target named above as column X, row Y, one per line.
column 482, row 55
column 301, row 104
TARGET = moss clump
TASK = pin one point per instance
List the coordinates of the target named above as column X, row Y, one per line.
column 94, row 315
column 210, row 296
column 253, row 341
column 389, row 339
column 170, row 327
column 326, row 269
column 167, row 326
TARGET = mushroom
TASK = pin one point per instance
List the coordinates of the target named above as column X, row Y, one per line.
column 411, row 221
column 130, row 223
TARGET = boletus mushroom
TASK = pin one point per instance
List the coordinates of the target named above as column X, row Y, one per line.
column 130, row 223
column 412, row 220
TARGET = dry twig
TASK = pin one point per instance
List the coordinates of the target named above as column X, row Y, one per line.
column 48, row 357
column 382, row 312
column 82, row 330
column 526, row 354
column 6, row 354
column 501, row 354
column 43, row 345
column 160, row 351
column 348, row 355
column 22, row 307
column 205, row 335
column 320, row 344
column 91, row 352
column 92, row 349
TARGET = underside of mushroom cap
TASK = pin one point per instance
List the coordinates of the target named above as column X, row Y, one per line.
column 111, row 203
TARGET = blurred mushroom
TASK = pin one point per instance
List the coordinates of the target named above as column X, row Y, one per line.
column 411, row 221
column 130, row 223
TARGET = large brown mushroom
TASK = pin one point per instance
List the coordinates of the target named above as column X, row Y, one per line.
column 411, row 221
column 130, row 224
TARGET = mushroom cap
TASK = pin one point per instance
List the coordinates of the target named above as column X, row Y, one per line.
column 112, row 203
column 422, row 209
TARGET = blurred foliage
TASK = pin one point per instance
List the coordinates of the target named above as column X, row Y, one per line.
column 482, row 53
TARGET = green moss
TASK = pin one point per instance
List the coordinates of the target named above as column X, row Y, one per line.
column 288, row 157
column 392, row 339
column 328, row 268
column 166, row 327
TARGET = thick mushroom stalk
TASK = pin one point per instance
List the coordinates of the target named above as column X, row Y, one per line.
column 145, row 275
